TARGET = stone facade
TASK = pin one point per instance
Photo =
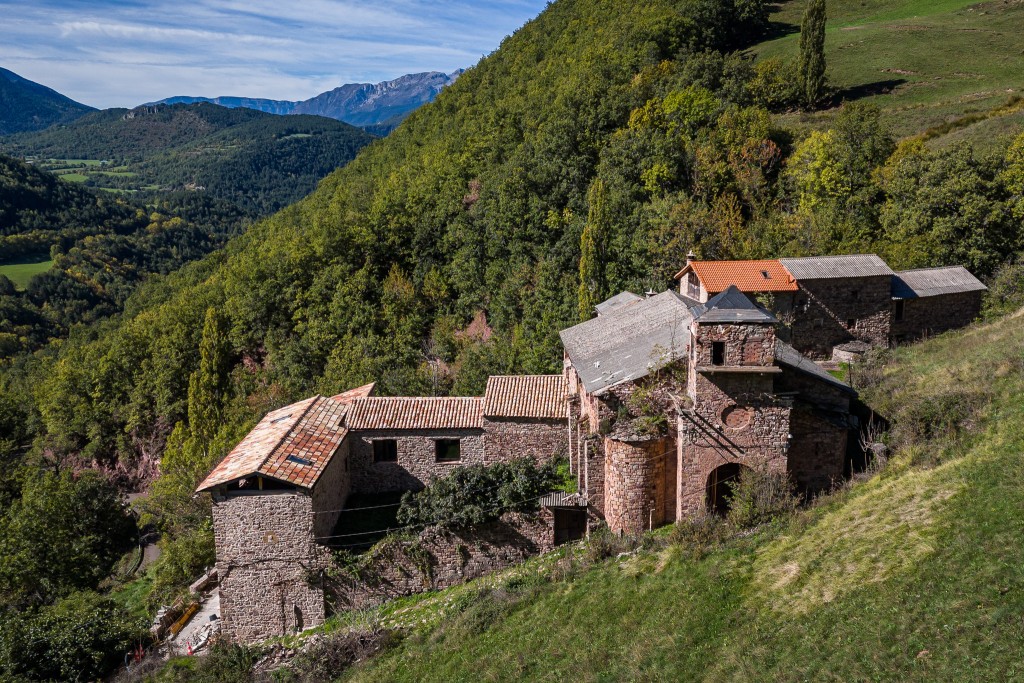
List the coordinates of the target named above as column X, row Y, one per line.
column 441, row 558
column 266, row 559
column 511, row 438
column 417, row 461
column 934, row 314
column 833, row 311
column 640, row 483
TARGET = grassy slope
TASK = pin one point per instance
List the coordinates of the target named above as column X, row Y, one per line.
column 939, row 59
column 916, row 574
column 21, row 273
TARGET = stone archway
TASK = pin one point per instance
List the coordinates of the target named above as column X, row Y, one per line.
column 719, row 487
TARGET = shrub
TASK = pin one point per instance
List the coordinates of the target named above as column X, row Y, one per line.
column 699, row 533
column 1005, row 290
column 324, row 659
column 479, row 494
column 760, row 496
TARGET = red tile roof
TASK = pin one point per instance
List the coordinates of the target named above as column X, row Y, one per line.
column 536, row 396
column 293, row 444
column 416, row 413
column 748, row 276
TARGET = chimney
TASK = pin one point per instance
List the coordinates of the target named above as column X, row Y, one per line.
column 690, row 257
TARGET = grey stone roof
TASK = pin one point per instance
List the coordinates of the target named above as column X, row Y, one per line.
column 617, row 301
column 731, row 306
column 922, row 282
column 629, row 341
column 791, row 358
column 828, row 267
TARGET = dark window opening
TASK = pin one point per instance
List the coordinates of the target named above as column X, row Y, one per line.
column 447, row 450
column 851, row 323
column 385, row 450
column 718, row 353
column 765, row 275
column 854, row 294
column 898, row 314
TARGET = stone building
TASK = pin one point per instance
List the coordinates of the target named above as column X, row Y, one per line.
column 663, row 401
column 824, row 302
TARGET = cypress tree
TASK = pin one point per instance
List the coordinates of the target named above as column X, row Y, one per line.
column 208, row 385
column 812, row 53
column 591, row 252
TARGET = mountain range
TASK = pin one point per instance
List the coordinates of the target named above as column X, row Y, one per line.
column 378, row 107
column 26, row 105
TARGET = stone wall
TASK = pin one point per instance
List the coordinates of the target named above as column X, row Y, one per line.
column 265, row 557
column 817, row 455
column 417, row 464
column 936, row 314
column 745, row 345
column 506, row 439
column 440, row 558
column 639, row 484
column 331, row 491
column 826, row 308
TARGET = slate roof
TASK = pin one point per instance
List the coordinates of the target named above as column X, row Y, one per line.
column 627, row 342
column 393, row 413
column 924, row 282
column 789, row 357
column 747, row 276
column 293, row 444
column 731, row 306
column 533, row 396
column 617, row 301
column 830, row 267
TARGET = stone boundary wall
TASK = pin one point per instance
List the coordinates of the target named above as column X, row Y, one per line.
column 439, row 558
column 265, row 555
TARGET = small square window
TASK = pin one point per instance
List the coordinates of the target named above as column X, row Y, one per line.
column 385, row 450
column 851, row 323
column 447, row 450
column 855, row 294
column 718, row 353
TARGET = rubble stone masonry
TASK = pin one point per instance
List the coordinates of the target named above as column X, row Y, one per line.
column 935, row 314
column 834, row 311
column 266, row 555
column 639, row 484
column 417, row 461
column 511, row 438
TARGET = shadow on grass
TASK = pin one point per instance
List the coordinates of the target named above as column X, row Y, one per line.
column 867, row 90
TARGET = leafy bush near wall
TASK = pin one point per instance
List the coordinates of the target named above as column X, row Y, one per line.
column 478, row 494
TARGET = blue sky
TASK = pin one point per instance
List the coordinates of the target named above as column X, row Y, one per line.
column 121, row 53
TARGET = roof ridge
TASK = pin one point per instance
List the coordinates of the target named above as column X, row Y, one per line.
column 273, row 451
column 919, row 270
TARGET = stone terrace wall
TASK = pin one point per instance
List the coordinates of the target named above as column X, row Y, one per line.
column 441, row 558
column 825, row 307
column 416, row 465
column 936, row 314
column 510, row 438
column 265, row 554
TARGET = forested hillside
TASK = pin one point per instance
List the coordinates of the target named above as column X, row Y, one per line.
column 587, row 155
column 258, row 162
column 26, row 105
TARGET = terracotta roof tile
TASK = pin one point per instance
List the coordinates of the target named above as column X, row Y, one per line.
column 537, row 396
column 293, row 444
column 747, row 276
column 416, row 413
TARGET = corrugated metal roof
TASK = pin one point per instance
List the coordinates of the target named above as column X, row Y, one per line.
column 924, row 282
column 536, row 396
column 828, row 267
column 404, row 413
column 747, row 276
column 788, row 356
column 617, row 301
column 561, row 499
column 630, row 341
column 292, row 444
column 731, row 306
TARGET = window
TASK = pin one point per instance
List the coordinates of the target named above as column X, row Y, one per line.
column 765, row 275
column 718, row 353
column 851, row 323
column 898, row 313
column 854, row 294
column 385, row 450
column 447, row 450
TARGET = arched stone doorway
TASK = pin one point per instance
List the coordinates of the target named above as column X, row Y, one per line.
column 719, row 487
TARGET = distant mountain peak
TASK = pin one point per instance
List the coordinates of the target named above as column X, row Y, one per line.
column 378, row 106
column 26, row 105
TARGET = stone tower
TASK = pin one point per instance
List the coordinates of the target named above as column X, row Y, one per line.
column 735, row 419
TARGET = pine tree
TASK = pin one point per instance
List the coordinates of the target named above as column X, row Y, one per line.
column 591, row 252
column 812, row 53
column 208, row 385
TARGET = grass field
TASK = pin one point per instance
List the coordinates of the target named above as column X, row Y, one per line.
column 924, row 63
column 21, row 273
column 916, row 574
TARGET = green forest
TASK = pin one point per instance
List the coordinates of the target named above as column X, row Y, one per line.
column 587, row 155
